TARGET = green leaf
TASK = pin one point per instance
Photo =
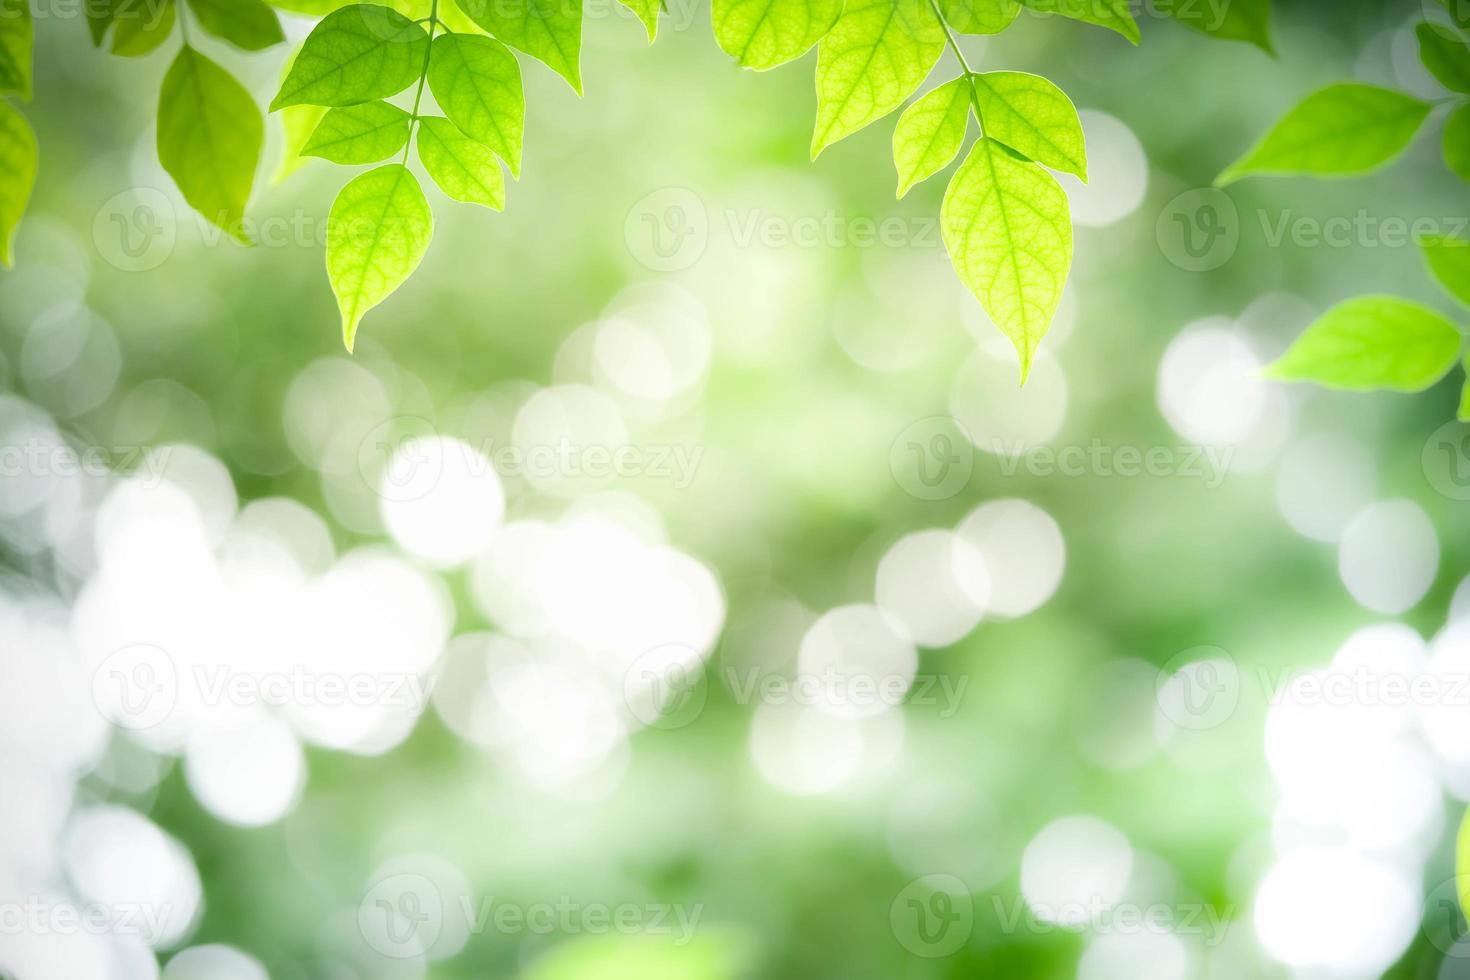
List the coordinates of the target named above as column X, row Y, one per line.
column 100, row 15
column 377, row 234
column 357, row 134
column 1341, row 130
column 930, row 131
column 18, row 158
column 1235, row 20
column 548, row 30
column 1448, row 260
column 15, row 47
column 1008, row 229
column 1462, row 859
column 1446, row 57
column 1371, row 343
column 141, row 27
column 477, row 82
column 247, row 24
column 1033, row 117
column 647, row 11
column 465, row 170
column 298, row 122
column 357, row 54
column 209, row 138
column 1459, row 12
column 979, row 16
column 876, row 55
column 1457, row 142
column 761, row 34
column 1112, row 14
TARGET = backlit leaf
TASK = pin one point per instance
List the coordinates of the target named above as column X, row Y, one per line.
column 357, row 54
column 477, row 82
column 979, row 16
column 377, row 234
column 358, row 134
column 876, row 56
column 1343, row 129
column 1371, row 343
column 761, row 34
column 930, row 131
column 1007, row 226
column 549, row 30
column 464, row 169
column 647, row 11
column 1033, row 117
column 209, row 138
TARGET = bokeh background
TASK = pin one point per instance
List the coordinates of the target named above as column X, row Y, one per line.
column 864, row 662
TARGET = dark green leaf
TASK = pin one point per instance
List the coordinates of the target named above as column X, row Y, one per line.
column 17, row 175
column 247, row 24
column 15, row 47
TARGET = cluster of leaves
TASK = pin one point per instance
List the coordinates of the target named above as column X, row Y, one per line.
column 1378, row 342
column 1005, row 219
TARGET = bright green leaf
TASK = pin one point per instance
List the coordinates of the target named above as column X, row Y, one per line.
column 357, row 54
column 1446, row 57
column 209, row 138
column 549, row 30
column 377, row 234
column 298, row 122
column 929, row 133
column 647, row 11
column 141, row 26
column 15, row 47
column 1234, row 20
column 1457, row 143
column 477, row 82
column 449, row 18
column 1033, row 117
column 1371, row 343
column 247, row 24
column 1115, row 15
column 761, row 34
column 1449, row 262
column 357, row 134
column 1008, row 229
column 979, row 16
column 1339, row 130
column 464, row 169
column 1462, row 862
column 18, row 158
column 876, row 56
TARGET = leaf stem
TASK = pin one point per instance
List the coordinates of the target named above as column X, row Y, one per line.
column 418, row 96
column 969, row 74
